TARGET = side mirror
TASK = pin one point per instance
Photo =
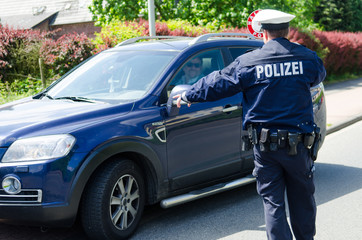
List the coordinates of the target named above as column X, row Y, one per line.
column 172, row 109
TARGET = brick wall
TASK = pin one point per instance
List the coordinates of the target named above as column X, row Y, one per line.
column 88, row 28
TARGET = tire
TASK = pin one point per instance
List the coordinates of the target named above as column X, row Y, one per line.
column 114, row 200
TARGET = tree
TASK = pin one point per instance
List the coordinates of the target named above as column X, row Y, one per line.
column 104, row 11
column 219, row 13
column 340, row 15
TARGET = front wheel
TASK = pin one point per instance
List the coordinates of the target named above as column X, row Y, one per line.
column 113, row 201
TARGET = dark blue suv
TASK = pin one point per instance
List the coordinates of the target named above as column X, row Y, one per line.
column 106, row 139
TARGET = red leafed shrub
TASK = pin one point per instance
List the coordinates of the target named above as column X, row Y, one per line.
column 309, row 40
column 19, row 51
column 66, row 52
column 345, row 51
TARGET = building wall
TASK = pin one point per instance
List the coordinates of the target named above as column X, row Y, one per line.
column 87, row 27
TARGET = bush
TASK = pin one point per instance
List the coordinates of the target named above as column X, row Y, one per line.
column 345, row 51
column 116, row 32
column 18, row 89
column 19, row 52
column 65, row 53
column 309, row 40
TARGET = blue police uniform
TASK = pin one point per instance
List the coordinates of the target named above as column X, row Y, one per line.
column 275, row 81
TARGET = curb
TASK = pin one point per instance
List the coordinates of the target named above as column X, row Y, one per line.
column 343, row 125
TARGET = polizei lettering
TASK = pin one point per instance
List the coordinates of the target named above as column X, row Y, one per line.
column 279, row 69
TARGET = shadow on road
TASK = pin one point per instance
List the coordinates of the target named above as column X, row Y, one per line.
column 334, row 181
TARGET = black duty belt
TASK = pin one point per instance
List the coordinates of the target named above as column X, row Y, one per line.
column 272, row 141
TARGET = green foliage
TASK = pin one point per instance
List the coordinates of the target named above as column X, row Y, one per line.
column 340, row 15
column 189, row 28
column 25, row 60
column 216, row 13
column 106, row 11
column 117, row 31
column 18, row 88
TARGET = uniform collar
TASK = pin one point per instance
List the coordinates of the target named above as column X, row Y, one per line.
column 281, row 39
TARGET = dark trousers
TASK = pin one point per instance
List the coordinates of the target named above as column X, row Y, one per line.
column 277, row 173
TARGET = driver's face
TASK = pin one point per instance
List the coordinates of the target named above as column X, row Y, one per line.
column 193, row 68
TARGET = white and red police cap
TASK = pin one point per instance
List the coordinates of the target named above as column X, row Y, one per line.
column 270, row 19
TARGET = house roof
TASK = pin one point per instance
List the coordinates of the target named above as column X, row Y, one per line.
column 29, row 13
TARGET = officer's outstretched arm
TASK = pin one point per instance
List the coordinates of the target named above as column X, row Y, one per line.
column 216, row 85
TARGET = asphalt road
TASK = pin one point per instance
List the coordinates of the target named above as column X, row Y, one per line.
column 238, row 214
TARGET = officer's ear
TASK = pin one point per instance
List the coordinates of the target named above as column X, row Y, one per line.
column 265, row 36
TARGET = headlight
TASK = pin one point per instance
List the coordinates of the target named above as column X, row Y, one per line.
column 39, row 148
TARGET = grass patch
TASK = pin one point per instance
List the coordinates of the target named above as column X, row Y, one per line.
column 341, row 78
column 19, row 88
column 14, row 96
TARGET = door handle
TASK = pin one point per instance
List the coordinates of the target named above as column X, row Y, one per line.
column 229, row 108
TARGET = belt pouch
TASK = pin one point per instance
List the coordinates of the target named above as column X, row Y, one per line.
column 293, row 142
column 282, row 138
column 264, row 141
column 315, row 147
column 273, row 142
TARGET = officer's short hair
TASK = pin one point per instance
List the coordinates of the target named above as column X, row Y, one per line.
column 276, row 33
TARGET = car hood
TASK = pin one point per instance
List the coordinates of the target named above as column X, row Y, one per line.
column 32, row 116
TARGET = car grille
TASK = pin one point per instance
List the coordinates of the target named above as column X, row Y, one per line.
column 25, row 197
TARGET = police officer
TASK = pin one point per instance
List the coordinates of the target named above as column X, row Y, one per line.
column 278, row 113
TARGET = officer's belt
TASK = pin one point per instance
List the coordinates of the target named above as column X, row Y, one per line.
column 272, row 141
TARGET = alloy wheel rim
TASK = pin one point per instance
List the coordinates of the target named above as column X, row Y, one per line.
column 124, row 202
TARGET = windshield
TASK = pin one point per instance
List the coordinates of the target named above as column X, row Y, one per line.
column 113, row 77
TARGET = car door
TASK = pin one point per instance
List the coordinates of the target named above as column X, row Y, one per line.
column 203, row 141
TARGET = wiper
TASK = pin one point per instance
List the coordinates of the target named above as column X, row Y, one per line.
column 48, row 96
column 78, row 99
column 42, row 95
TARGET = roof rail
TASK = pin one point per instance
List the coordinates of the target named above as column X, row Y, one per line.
column 133, row 40
column 205, row 37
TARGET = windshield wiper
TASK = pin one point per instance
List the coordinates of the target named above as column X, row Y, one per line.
column 78, row 99
column 42, row 95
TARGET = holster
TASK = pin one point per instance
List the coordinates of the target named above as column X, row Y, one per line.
column 253, row 134
column 309, row 140
column 315, row 146
column 245, row 143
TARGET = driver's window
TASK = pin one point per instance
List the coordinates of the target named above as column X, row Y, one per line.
column 197, row 67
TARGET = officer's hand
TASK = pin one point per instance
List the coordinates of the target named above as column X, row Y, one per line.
column 178, row 101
